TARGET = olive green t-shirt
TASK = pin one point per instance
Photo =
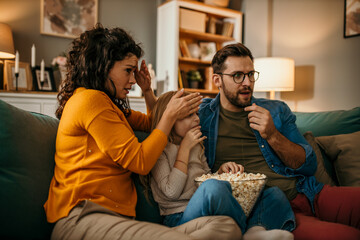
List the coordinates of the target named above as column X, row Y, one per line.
column 237, row 143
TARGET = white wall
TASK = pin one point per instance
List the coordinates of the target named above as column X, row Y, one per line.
column 310, row 31
column 327, row 73
column 137, row 17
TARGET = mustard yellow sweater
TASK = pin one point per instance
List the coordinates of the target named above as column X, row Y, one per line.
column 96, row 152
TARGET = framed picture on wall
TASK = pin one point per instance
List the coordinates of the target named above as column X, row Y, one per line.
column 24, row 81
column 208, row 50
column 67, row 18
column 48, row 84
column 351, row 18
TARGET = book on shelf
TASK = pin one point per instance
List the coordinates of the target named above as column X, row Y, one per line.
column 209, row 84
column 216, row 25
column 228, row 27
column 181, row 85
column 184, row 81
column 184, row 48
column 180, row 53
column 211, row 27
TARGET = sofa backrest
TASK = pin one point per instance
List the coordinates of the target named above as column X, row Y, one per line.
column 330, row 122
column 27, row 148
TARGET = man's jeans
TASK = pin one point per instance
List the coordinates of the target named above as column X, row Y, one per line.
column 214, row 197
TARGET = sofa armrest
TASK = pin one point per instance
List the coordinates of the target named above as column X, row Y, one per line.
column 26, row 167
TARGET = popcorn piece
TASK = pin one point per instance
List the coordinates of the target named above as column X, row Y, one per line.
column 246, row 187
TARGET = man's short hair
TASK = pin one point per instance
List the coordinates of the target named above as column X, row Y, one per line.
column 236, row 49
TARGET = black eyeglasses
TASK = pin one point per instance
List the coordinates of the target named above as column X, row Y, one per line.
column 239, row 77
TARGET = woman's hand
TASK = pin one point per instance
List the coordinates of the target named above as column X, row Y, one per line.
column 143, row 78
column 192, row 137
column 180, row 107
column 230, row 167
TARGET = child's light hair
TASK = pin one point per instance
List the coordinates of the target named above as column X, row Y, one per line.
column 156, row 115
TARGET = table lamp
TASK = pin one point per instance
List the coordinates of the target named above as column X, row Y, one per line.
column 6, row 47
column 6, row 42
column 276, row 74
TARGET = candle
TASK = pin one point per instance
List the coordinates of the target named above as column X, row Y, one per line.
column 17, row 62
column 33, row 56
column 42, row 71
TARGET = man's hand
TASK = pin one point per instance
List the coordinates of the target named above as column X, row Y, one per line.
column 291, row 154
column 261, row 120
column 230, row 167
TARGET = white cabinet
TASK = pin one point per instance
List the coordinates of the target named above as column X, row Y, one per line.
column 46, row 103
column 137, row 104
column 169, row 61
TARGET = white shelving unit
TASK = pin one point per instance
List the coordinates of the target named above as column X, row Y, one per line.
column 169, row 33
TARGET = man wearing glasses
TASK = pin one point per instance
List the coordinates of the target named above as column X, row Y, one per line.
column 262, row 136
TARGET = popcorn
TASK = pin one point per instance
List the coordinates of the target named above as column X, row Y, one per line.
column 246, row 187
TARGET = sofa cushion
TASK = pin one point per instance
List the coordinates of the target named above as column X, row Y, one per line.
column 26, row 167
column 329, row 123
column 321, row 173
column 146, row 209
column 344, row 152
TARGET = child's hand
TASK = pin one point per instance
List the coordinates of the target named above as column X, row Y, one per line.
column 230, row 167
column 143, row 78
column 192, row 137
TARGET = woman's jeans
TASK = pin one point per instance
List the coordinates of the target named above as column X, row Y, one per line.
column 272, row 209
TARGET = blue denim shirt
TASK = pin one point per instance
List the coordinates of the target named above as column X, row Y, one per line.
column 284, row 121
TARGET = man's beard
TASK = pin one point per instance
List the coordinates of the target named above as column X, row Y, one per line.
column 233, row 97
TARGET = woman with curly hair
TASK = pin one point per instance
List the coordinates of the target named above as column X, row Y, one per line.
column 92, row 195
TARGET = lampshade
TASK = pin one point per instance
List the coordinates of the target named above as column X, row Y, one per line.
column 276, row 74
column 6, row 42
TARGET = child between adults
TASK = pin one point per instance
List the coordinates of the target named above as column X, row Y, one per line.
column 173, row 186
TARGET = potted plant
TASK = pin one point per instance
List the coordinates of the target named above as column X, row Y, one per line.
column 194, row 78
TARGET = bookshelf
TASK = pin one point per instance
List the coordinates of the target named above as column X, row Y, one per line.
column 173, row 61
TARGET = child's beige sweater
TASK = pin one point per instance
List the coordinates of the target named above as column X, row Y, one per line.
column 172, row 188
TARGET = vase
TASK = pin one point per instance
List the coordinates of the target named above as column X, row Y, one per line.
column 194, row 50
column 194, row 84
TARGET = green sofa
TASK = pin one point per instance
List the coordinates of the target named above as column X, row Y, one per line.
column 27, row 146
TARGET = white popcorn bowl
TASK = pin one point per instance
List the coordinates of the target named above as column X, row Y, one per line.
column 246, row 192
